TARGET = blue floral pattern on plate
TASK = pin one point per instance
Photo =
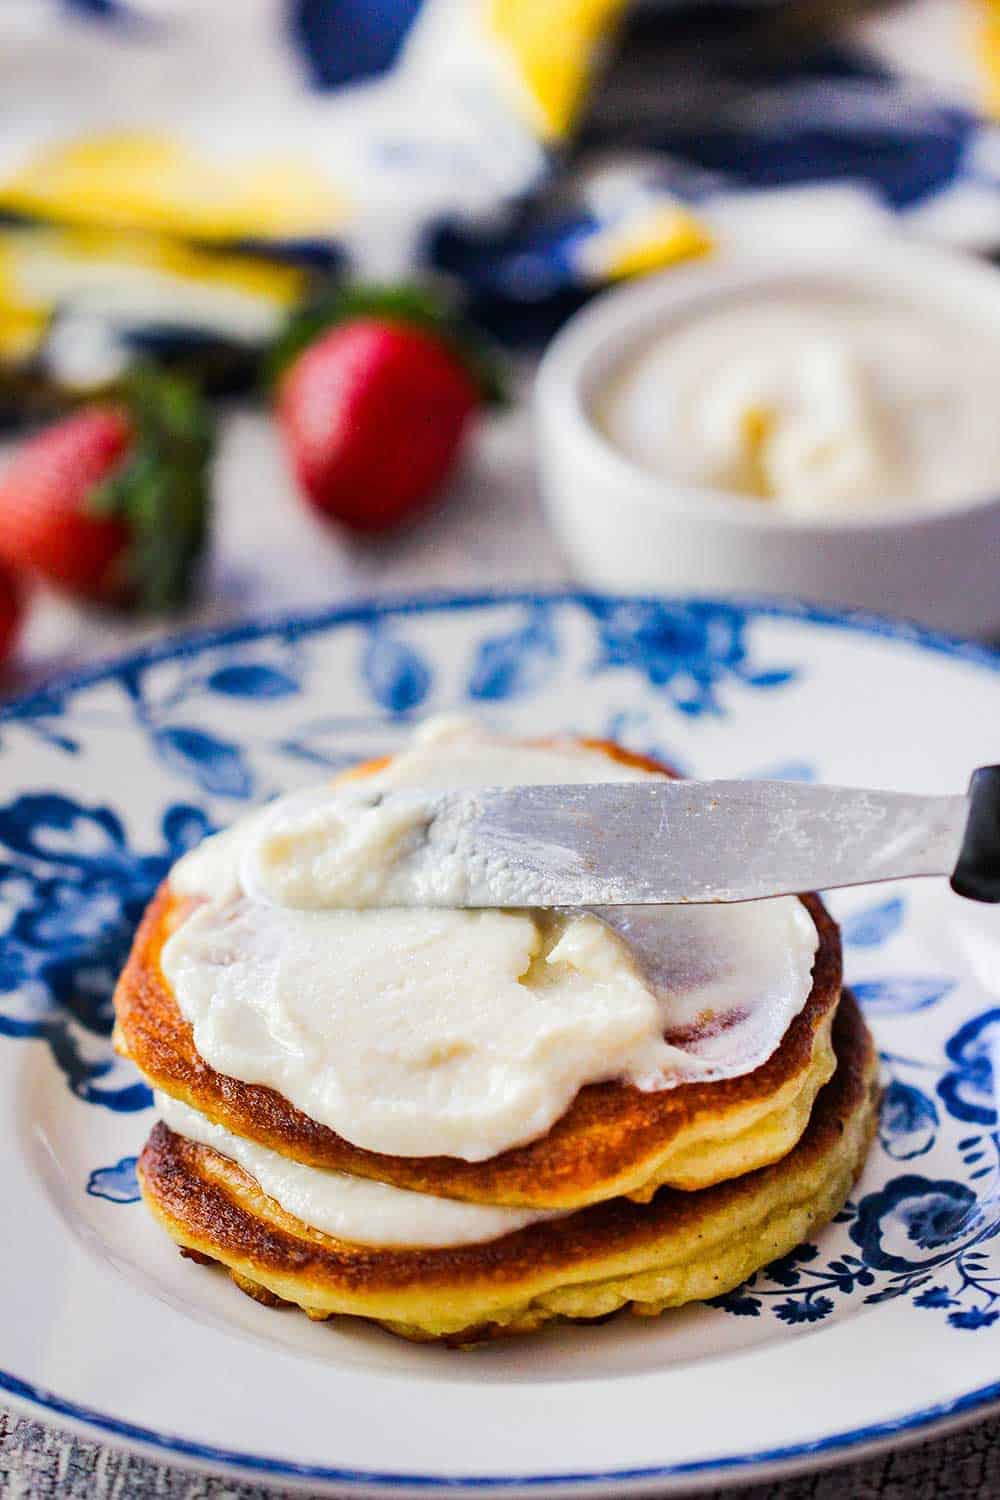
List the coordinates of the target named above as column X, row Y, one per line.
column 925, row 1236
column 685, row 650
column 71, row 894
column 968, row 1088
column 118, row 1184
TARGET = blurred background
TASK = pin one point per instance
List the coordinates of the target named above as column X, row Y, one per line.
column 275, row 278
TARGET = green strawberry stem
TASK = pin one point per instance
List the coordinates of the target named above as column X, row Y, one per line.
column 419, row 306
column 161, row 491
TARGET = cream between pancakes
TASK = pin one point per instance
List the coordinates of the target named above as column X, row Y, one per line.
column 461, row 1033
column 351, row 1208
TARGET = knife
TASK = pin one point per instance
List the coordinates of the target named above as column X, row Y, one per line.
column 672, row 842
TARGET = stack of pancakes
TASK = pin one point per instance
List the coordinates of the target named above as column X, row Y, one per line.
column 657, row 1198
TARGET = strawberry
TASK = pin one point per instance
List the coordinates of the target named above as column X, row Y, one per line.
column 110, row 504
column 11, row 611
column 376, row 395
column 45, row 526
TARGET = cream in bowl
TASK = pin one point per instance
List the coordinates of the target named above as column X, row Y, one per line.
column 825, row 425
column 823, row 401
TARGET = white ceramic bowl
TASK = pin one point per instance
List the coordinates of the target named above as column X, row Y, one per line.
column 625, row 528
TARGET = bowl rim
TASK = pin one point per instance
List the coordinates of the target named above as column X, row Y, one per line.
column 620, row 319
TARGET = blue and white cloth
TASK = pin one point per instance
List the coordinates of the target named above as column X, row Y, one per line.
column 173, row 172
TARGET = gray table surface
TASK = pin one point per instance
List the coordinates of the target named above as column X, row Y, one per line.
column 270, row 554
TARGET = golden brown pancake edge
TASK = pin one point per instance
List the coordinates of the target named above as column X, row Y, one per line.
column 679, row 1247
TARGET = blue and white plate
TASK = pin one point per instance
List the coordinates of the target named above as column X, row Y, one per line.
column 887, row 1326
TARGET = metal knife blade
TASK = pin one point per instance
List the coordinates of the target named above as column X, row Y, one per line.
column 671, row 842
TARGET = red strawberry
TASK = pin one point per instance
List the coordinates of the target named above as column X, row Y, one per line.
column 11, row 611
column 109, row 504
column 46, row 525
column 373, row 414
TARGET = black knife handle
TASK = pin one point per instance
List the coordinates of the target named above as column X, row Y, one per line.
column 977, row 874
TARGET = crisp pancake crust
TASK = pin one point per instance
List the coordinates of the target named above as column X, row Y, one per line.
column 613, row 1140
column 677, row 1248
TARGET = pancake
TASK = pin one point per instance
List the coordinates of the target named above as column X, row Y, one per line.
column 679, row 1247
column 613, row 1140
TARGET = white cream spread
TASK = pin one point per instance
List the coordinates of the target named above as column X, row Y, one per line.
column 822, row 402
column 351, row 1208
column 323, row 849
column 461, row 1033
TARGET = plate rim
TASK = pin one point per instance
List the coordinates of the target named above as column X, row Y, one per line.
column 183, row 643
column 693, row 1473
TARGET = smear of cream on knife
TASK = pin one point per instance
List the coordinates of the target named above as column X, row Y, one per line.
column 460, row 1032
